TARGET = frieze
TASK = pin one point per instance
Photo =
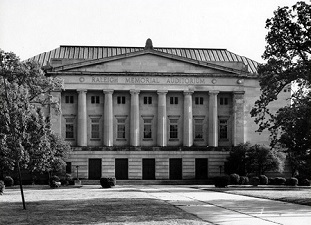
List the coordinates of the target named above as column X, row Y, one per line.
column 142, row 80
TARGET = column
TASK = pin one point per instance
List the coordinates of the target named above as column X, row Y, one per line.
column 188, row 118
column 162, row 120
column 55, row 116
column 213, row 119
column 238, row 117
column 82, row 120
column 108, row 118
column 134, row 123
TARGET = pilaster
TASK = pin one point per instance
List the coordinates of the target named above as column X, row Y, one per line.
column 238, row 117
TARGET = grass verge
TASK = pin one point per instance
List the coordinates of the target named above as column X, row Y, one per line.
column 89, row 206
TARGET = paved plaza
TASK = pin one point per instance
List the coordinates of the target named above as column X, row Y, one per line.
column 222, row 208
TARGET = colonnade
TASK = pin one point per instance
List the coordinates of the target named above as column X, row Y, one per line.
column 238, row 117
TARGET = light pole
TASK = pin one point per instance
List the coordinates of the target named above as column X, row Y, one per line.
column 77, row 172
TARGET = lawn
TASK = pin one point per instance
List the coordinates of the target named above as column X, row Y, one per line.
column 89, row 205
column 294, row 195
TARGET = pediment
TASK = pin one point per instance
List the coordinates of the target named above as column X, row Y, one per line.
column 148, row 61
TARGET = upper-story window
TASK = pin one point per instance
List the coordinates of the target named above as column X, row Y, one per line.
column 198, row 128
column 121, row 127
column 147, row 128
column 223, row 129
column 147, row 100
column 120, row 99
column 173, row 100
column 95, row 99
column 95, row 128
column 223, row 101
column 198, row 100
column 69, row 99
column 173, row 128
column 69, row 128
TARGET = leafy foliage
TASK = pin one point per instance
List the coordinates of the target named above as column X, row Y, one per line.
column 288, row 54
column 25, row 134
column 245, row 159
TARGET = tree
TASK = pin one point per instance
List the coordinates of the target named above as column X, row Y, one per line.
column 26, row 139
column 288, row 54
column 261, row 159
column 246, row 158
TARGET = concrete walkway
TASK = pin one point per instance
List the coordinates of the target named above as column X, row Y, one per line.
column 223, row 208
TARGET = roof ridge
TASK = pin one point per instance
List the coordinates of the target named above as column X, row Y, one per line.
column 106, row 46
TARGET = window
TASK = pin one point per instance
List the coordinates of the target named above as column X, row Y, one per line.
column 147, row 128
column 147, row 100
column 173, row 128
column 120, row 99
column 69, row 128
column 95, row 99
column 223, row 129
column 198, row 128
column 69, row 99
column 224, row 101
column 95, row 134
column 121, row 128
column 198, row 100
column 174, row 100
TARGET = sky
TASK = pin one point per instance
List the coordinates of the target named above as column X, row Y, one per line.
column 30, row 27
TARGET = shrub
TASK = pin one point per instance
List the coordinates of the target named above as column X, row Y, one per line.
column 67, row 180
column 234, row 178
column 255, row 181
column 279, row 180
column 2, row 187
column 263, row 180
column 221, row 181
column 271, row 181
column 292, row 181
column 107, row 182
column 304, row 182
column 244, row 180
column 55, row 182
column 8, row 181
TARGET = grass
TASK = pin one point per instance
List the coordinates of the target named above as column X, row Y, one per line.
column 295, row 195
column 89, row 206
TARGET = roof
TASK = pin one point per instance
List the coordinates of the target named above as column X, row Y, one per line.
column 98, row 52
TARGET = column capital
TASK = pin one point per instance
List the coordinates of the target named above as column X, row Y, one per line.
column 82, row 90
column 212, row 92
column 109, row 91
column 188, row 92
column 134, row 92
column 162, row 92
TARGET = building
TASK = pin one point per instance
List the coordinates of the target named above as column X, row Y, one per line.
column 152, row 113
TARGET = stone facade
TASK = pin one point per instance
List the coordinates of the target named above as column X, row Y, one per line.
column 153, row 114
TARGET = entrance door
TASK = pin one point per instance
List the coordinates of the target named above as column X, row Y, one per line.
column 95, row 169
column 148, row 169
column 201, row 169
column 121, row 169
column 175, row 169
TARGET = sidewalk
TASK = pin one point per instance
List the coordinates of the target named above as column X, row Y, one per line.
column 223, row 208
